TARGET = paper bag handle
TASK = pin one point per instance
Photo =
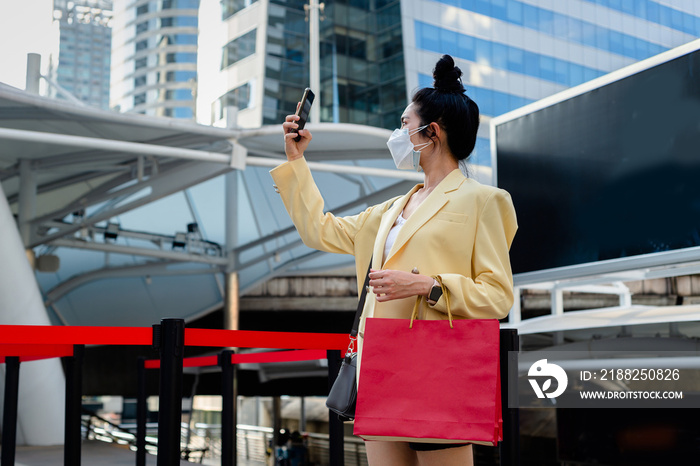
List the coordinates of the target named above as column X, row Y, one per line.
column 419, row 298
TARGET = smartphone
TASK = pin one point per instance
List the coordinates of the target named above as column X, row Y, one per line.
column 303, row 112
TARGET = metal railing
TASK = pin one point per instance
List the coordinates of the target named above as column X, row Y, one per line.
column 355, row 453
column 204, row 441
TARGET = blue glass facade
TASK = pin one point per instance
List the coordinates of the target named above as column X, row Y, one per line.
column 561, row 26
column 500, row 56
column 655, row 13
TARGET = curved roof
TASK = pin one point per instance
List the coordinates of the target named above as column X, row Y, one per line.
column 146, row 214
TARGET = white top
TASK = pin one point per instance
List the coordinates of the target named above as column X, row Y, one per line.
column 393, row 233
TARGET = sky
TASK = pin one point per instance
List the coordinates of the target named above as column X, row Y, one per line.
column 25, row 27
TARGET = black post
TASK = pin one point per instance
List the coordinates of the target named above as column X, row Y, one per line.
column 336, row 430
column 9, row 415
column 510, row 446
column 229, row 416
column 74, row 394
column 172, row 348
column 141, row 412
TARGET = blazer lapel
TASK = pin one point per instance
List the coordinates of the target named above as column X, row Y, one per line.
column 431, row 206
column 388, row 220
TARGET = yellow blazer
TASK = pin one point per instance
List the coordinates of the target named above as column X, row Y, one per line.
column 461, row 232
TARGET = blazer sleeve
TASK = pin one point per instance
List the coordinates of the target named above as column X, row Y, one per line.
column 304, row 203
column 488, row 293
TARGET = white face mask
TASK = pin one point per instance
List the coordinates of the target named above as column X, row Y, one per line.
column 404, row 153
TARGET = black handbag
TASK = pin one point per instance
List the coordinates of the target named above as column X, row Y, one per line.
column 343, row 394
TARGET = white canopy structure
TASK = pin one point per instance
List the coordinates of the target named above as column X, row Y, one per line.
column 134, row 218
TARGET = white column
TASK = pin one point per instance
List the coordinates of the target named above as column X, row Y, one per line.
column 33, row 74
column 27, row 200
column 315, row 59
column 231, row 298
column 40, row 413
column 557, row 298
column 558, row 310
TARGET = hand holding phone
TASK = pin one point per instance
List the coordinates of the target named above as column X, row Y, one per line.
column 303, row 111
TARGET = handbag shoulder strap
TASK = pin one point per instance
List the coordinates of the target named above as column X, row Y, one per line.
column 361, row 302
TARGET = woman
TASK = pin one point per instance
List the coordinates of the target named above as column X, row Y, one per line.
column 447, row 235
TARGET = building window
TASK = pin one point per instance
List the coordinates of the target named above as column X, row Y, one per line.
column 142, row 10
column 238, row 97
column 238, row 49
column 181, row 21
column 139, row 99
column 141, row 45
column 142, row 27
column 180, row 4
column 231, row 7
column 140, row 81
column 181, row 57
column 182, row 39
column 178, row 94
column 186, row 21
column 178, row 112
column 141, row 63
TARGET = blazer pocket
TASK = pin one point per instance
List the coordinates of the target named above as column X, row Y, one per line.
column 453, row 217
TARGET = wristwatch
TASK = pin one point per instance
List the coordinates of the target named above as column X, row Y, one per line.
column 435, row 293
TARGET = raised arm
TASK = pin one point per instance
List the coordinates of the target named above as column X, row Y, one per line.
column 318, row 230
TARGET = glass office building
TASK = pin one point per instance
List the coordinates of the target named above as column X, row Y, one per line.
column 375, row 54
column 362, row 62
column 83, row 67
column 154, row 57
column 263, row 62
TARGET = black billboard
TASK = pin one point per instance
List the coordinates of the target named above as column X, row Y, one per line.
column 612, row 172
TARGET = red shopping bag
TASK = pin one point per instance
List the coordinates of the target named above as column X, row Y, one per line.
column 430, row 383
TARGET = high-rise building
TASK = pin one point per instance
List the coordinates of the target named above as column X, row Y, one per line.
column 260, row 52
column 154, row 57
column 85, row 50
column 376, row 53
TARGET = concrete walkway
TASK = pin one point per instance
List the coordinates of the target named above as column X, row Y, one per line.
column 93, row 453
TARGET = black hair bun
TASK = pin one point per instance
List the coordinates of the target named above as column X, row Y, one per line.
column 447, row 76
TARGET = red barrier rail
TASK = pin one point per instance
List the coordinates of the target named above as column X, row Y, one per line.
column 75, row 335
column 78, row 335
column 257, row 339
column 34, row 352
column 279, row 356
column 201, row 361
column 249, row 358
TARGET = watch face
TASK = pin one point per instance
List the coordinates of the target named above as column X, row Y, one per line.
column 435, row 293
